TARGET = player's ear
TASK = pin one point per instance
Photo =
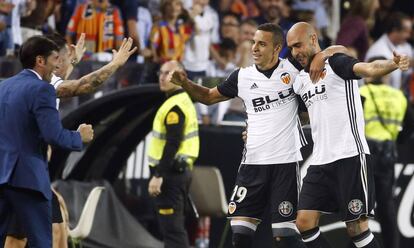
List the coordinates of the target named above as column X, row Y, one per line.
column 277, row 49
column 314, row 39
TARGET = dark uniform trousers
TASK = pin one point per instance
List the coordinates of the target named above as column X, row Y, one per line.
column 383, row 165
column 170, row 205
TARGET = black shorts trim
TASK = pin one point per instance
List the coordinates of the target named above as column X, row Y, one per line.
column 259, row 185
column 344, row 186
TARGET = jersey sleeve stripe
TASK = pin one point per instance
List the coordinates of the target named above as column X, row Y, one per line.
column 350, row 100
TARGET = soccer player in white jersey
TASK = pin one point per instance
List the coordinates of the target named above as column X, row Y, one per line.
column 339, row 178
column 269, row 168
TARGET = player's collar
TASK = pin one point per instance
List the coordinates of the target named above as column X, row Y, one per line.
column 268, row 73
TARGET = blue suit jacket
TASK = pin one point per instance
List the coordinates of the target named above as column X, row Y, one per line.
column 28, row 122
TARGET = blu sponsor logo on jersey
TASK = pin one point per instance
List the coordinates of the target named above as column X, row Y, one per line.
column 267, row 102
column 318, row 93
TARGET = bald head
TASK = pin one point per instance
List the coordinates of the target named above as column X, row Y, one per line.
column 165, row 69
column 303, row 42
column 301, row 28
column 173, row 64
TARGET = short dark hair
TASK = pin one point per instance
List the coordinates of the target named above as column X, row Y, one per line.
column 275, row 29
column 58, row 39
column 394, row 22
column 33, row 47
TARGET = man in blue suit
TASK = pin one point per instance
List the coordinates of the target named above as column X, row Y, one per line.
column 28, row 122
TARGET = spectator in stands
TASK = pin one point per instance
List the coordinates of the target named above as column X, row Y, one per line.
column 5, row 10
column 214, row 114
column 199, row 48
column 227, row 51
column 318, row 8
column 102, row 24
column 65, row 11
column 139, row 23
column 22, row 8
column 272, row 11
column 230, row 27
column 381, row 15
column 244, row 56
column 354, row 31
column 154, row 8
column 170, row 34
column 35, row 23
column 397, row 31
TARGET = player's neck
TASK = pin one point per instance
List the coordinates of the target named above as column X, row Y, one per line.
column 268, row 66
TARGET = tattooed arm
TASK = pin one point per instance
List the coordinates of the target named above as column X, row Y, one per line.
column 381, row 67
column 89, row 83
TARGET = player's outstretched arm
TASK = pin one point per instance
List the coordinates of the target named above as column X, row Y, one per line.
column 197, row 92
column 318, row 62
column 381, row 67
column 89, row 83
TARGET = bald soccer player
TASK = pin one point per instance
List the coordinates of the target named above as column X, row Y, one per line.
column 340, row 177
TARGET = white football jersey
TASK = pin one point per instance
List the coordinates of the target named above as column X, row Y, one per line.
column 335, row 111
column 274, row 132
column 56, row 81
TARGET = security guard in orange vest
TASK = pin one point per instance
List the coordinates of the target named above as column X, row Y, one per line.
column 173, row 149
column 386, row 112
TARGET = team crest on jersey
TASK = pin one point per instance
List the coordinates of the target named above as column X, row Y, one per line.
column 355, row 206
column 285, row 77
column 285, row 208
column 232, row 207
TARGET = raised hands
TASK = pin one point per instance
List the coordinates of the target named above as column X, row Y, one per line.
column 76, row 51
column 124, row 52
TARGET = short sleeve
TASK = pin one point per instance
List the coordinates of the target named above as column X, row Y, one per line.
column 343, row 66
column 229, row 87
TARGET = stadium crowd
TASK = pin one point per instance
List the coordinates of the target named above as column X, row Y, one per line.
column 210, row 38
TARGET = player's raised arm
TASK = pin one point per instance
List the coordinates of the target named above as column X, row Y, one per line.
column 381, row 67
column 197, row 92
column 90, row 82
column 318, row 62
